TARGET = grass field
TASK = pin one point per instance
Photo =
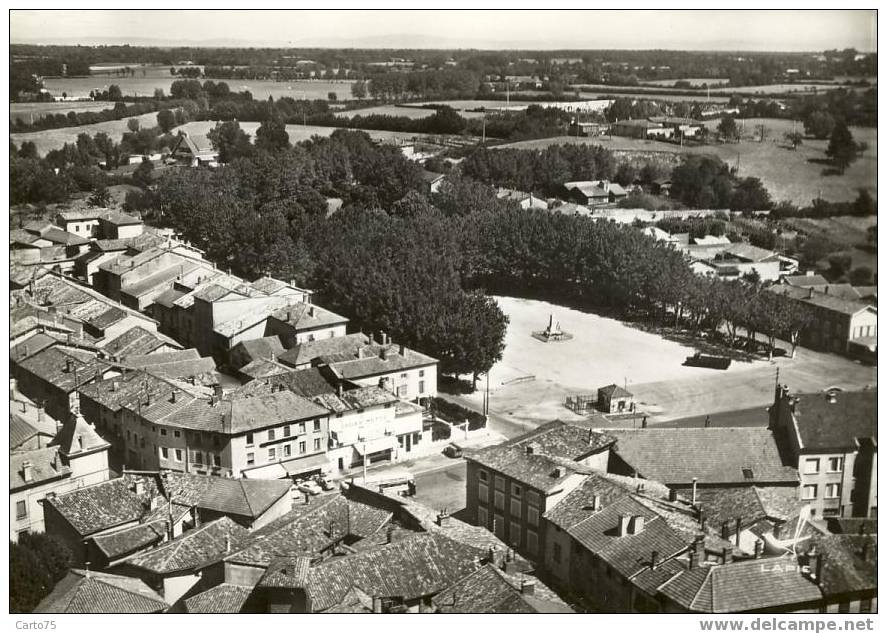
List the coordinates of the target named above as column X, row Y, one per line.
column 30, row 112
column 604, row 351
column 693, row 81
column 848, row 231
column 47, row 140
column 796, row 175
column 388, row 110
column 769, row 89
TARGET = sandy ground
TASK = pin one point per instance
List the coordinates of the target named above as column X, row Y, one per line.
column 604, row 351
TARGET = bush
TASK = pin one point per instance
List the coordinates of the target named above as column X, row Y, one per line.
column 440, row 431
column 457, row 414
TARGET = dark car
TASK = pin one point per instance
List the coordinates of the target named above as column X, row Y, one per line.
column 453, row 451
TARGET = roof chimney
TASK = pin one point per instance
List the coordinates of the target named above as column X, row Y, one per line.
column 69, row 365
column 624, row 520
column 13, row 387
column 559, row 472
column 725, row 530
column 637, row 525
column 27, row 471
column 759, row 548
column 383, row 353
column 672, row 495
column 311, row 311
column 384, row 337
column 596, row 503
column 529, row 449
column 693, row 499
column 738, row 530
column 403, row 349
column 377, row 604
column 727, row 555
column 443, row 519
column 831, row 397
column 139, row 487
column 528, row 587
column 173, row 396
column 694, row 559
column 654, row 559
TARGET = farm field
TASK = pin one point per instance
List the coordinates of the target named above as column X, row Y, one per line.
column 47, row 140
column 30, row 112
column 794, row 175
column 145, row 86
column 656, row 97
column 388, row 110
column 743, row 90
column 297, row 133
column 604, row 351
column 693, row 81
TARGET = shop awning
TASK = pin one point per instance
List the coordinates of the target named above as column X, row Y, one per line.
column 389, row 442
column 306, row 464
column 271, row 471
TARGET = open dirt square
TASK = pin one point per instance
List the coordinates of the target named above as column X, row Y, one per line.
column 529, row 385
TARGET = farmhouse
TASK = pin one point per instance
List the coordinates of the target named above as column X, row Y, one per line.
column 594, row 192
column 195, row 150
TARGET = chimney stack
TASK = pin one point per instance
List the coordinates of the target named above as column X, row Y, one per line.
column 528, row 587
column 738, row 530
column 624, row 520
column 672, row 495
column 759, row 548
column 529, row 449
column 693, row 499
column 596, row 503
column 694, row 559
column 389, row 534
column 139, row 487
column 27, row 471
column 443, row 519
column 654, row 559
column 69, row 365
column 383, row 353
column 383, row 337
column 13, row 388
column 311, row 311
column 727, row 555
column 725, row 531
column 637, row 524
column 377, row 604
column 403, row 349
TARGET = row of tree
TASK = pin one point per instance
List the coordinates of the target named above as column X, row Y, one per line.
column 36, row 562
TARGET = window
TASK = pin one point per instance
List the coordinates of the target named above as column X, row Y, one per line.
column 832, row 491
column 198, row 457
column 164, row 452
column 270, row 435
column 421, row 373
column 421, row 386
column 556, row 552
column 835, row 464
column 515, row 491
column 499, row 500
column 287, row 450
column 286, row 431
column 403, row 376
column 810, row 491
column 500, row 483
column 532, row 516
column 272, row 454
column 249, row 439
column 482, row 475
column 811, row 466
column 301, row 427
column 177, row 433
column 250, row 459
column 482, row 517
column 317, row 444
column 178, row 454
column 482, row 492
column 515, row 534
column 316, row 425
column 515, row 507
column 162, row 432
column 532, row 543
column 217, row 459
column 301, row 447
column 402, row 391
column 498, row 526
column 532, row 498
column 21, row 509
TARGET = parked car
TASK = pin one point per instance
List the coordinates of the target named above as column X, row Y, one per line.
column 309, row 487
column 453, row 450
column 324, row 482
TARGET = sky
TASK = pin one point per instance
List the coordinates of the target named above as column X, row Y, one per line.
column 753, row 30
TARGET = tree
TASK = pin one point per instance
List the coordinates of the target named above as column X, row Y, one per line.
column 28, row 150
column 862, row 276
column 839, row 265
column 132, row 125
column 101, row 197
column 819, row 124
column 114, row 93
column 230, row 141
column 142, row 176
column 332, row 96
column 359, row 89
column 728, row 129
column 272, row 136
column 750, row 195
column 36, row 563
column 842, row 148
column 794, row 139
column 166, row 119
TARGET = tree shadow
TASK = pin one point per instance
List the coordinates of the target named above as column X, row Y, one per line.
column 704, row 345
column 831, row 171
column 819, row 161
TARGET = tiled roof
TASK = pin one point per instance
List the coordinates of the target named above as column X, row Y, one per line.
column 822, row 300
column 630, row 553
column 78, row 436
column 262, row 368
column 576, row 506
column 488, row 590
column 290, row 572
column 649, row 579
column 30, row 346
column 19, row 431
column 753, row 585
column 51, row 365
column 137, row 341
column 803, row 281
column 94, row 592
column 192, row 549
column 92, row 213
column 718, row 455
column 244, row 497
column 849, row 562
column 45, row 466
column 224, row 598
column 825, row 425
column 359, row 398
column 728, row 503
column 305, row 382
column 120, row 219
column 371, row 364
column 413, row 567
column 779, row 502
column 305, row 530
column 615, row 391
column 311, row 350
column 146, row 360
column 569, row 440
column 255, row 349
column 537, row 471
column 129, row 540
column 303, row 316
column 742, row 250
column 62, row 237
column 107, row 504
